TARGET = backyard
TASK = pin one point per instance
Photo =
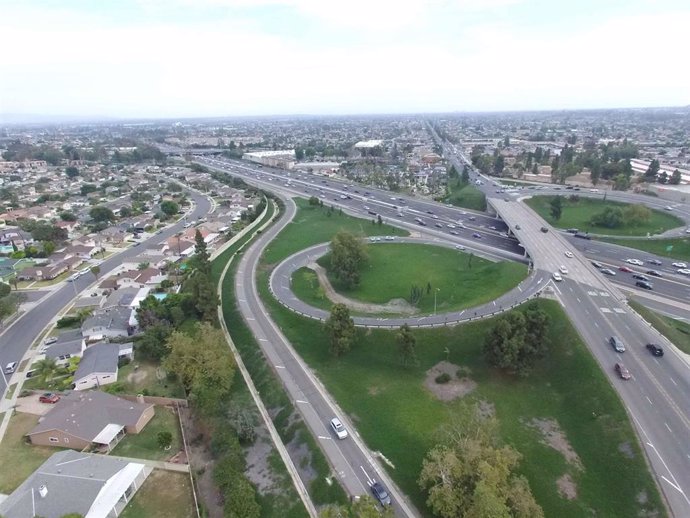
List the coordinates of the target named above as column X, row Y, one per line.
column 577, row 214
column 165, row 494
column 145, row 377
column 144, row 445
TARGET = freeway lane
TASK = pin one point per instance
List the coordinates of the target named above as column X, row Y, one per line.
column 349, row 458
column 17, row 339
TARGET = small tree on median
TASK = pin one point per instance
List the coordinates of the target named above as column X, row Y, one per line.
column 556, row 209
column 406, row 345
column 347, row 256
column 341, row 330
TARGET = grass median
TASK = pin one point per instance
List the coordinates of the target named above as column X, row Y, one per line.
column 465, row 195
column 578, row 214
column 675, row 248
column 677, row 331
column 446, row 280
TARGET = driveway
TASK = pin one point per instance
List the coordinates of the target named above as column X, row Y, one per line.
column 31, row 405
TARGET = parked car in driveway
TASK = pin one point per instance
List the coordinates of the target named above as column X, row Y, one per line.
column 50, row 340
column 380, row 493
column 49, row 397
column 623, row 371
column 655, row 350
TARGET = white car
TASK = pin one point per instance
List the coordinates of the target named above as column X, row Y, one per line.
column 569, row 254
column 679, row 265
column 450, row 225
column 636, row 262
column 687, row 230
column 563, row 270
column 557, row 277
column 50, row 340
column 459, row 247
column 338, row 428
column 684, row 271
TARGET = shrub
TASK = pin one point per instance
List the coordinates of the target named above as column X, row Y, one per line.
column 69, row 321
column 443, row 378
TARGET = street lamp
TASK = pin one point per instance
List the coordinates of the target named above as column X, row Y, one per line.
column 435, row 292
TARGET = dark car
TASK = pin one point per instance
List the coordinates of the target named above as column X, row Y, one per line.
column 644, row 284
column 655, row 350
column 640, row 277
column 583, row 236
column 476, row 235
column 380, row 493
column 654, row 273
column 544, row 230
column 655, row 262
column 597, row 264
column 572, row 231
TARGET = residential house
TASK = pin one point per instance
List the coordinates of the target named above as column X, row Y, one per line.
column 84, row 419
column 74, row 483
column 98, row 366
column 69, row 344
column 107, row 323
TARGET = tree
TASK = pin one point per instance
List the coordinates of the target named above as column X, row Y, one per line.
column 96, row 270
column 518, row 340
column 152, row 343
column 465, row 174
column 164, row 440
column 621, row 182
column 201, row 260
column 88, row 188
column 636, row 215
column 610, row 217
column 652, row 171
column 101, row 214
column 406, row 345
column 452, row 172
column 314, row 201
column 341, row 329
column 347, row 256
column 169, row 208
column 499, row 165
column 240, row 500
column 125, row 212
column 71, row 171
column 203, row 364
column 10, row 304
column 68, row 216
column 675, row 178
column 5, row 289
column 471, row 474
column 556, row 207
column 46, row 368
column 203, row 295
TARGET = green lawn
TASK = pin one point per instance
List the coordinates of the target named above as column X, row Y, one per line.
column 567, row 386
column 145, row 377
column 144, row 445
column 465, row 195
column 164, row 495
column 578, row 214
column 680, row 247
column 17, row 457
column 457, row 279
column 313, row 225
column 396, row 415
column 675, row 330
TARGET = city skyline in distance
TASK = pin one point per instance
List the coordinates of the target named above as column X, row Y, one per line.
column 149, row 59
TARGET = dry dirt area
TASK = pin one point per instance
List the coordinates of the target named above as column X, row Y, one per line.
column 554, row 437
column 455, row 388
column 394, row 306
column 137, row 376
column 567, row 487
column 259, row 470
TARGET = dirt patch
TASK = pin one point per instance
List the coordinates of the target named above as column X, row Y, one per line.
column 373, row 391
column 137, row 376
column 567, row 487
column 642, row 497
column 554, row 437
column 393, row 306
column 626, row 449
column 455, row 388
column 486, row 410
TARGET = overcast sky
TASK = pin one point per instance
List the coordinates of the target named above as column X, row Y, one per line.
column 178, row 58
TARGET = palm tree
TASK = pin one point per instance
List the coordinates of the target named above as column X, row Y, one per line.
column 46, row 368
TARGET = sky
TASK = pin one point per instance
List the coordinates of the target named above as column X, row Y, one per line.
column 198, row 58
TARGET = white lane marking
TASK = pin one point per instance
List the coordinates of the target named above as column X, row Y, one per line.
column 366, row 475
column 596, row 325
column 673, row 381
column 620, row 311
column 668, row 427
column 302, row 401
column 650, row 401
column 605, row 310
column 578, row 300
column 592, row 293
column 324, row 437
column 672, row 484
column 262, row 340
column 280, row 366
column 251, row 318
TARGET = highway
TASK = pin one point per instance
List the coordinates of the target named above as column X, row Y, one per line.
column 656, row 397
column 16, row 339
